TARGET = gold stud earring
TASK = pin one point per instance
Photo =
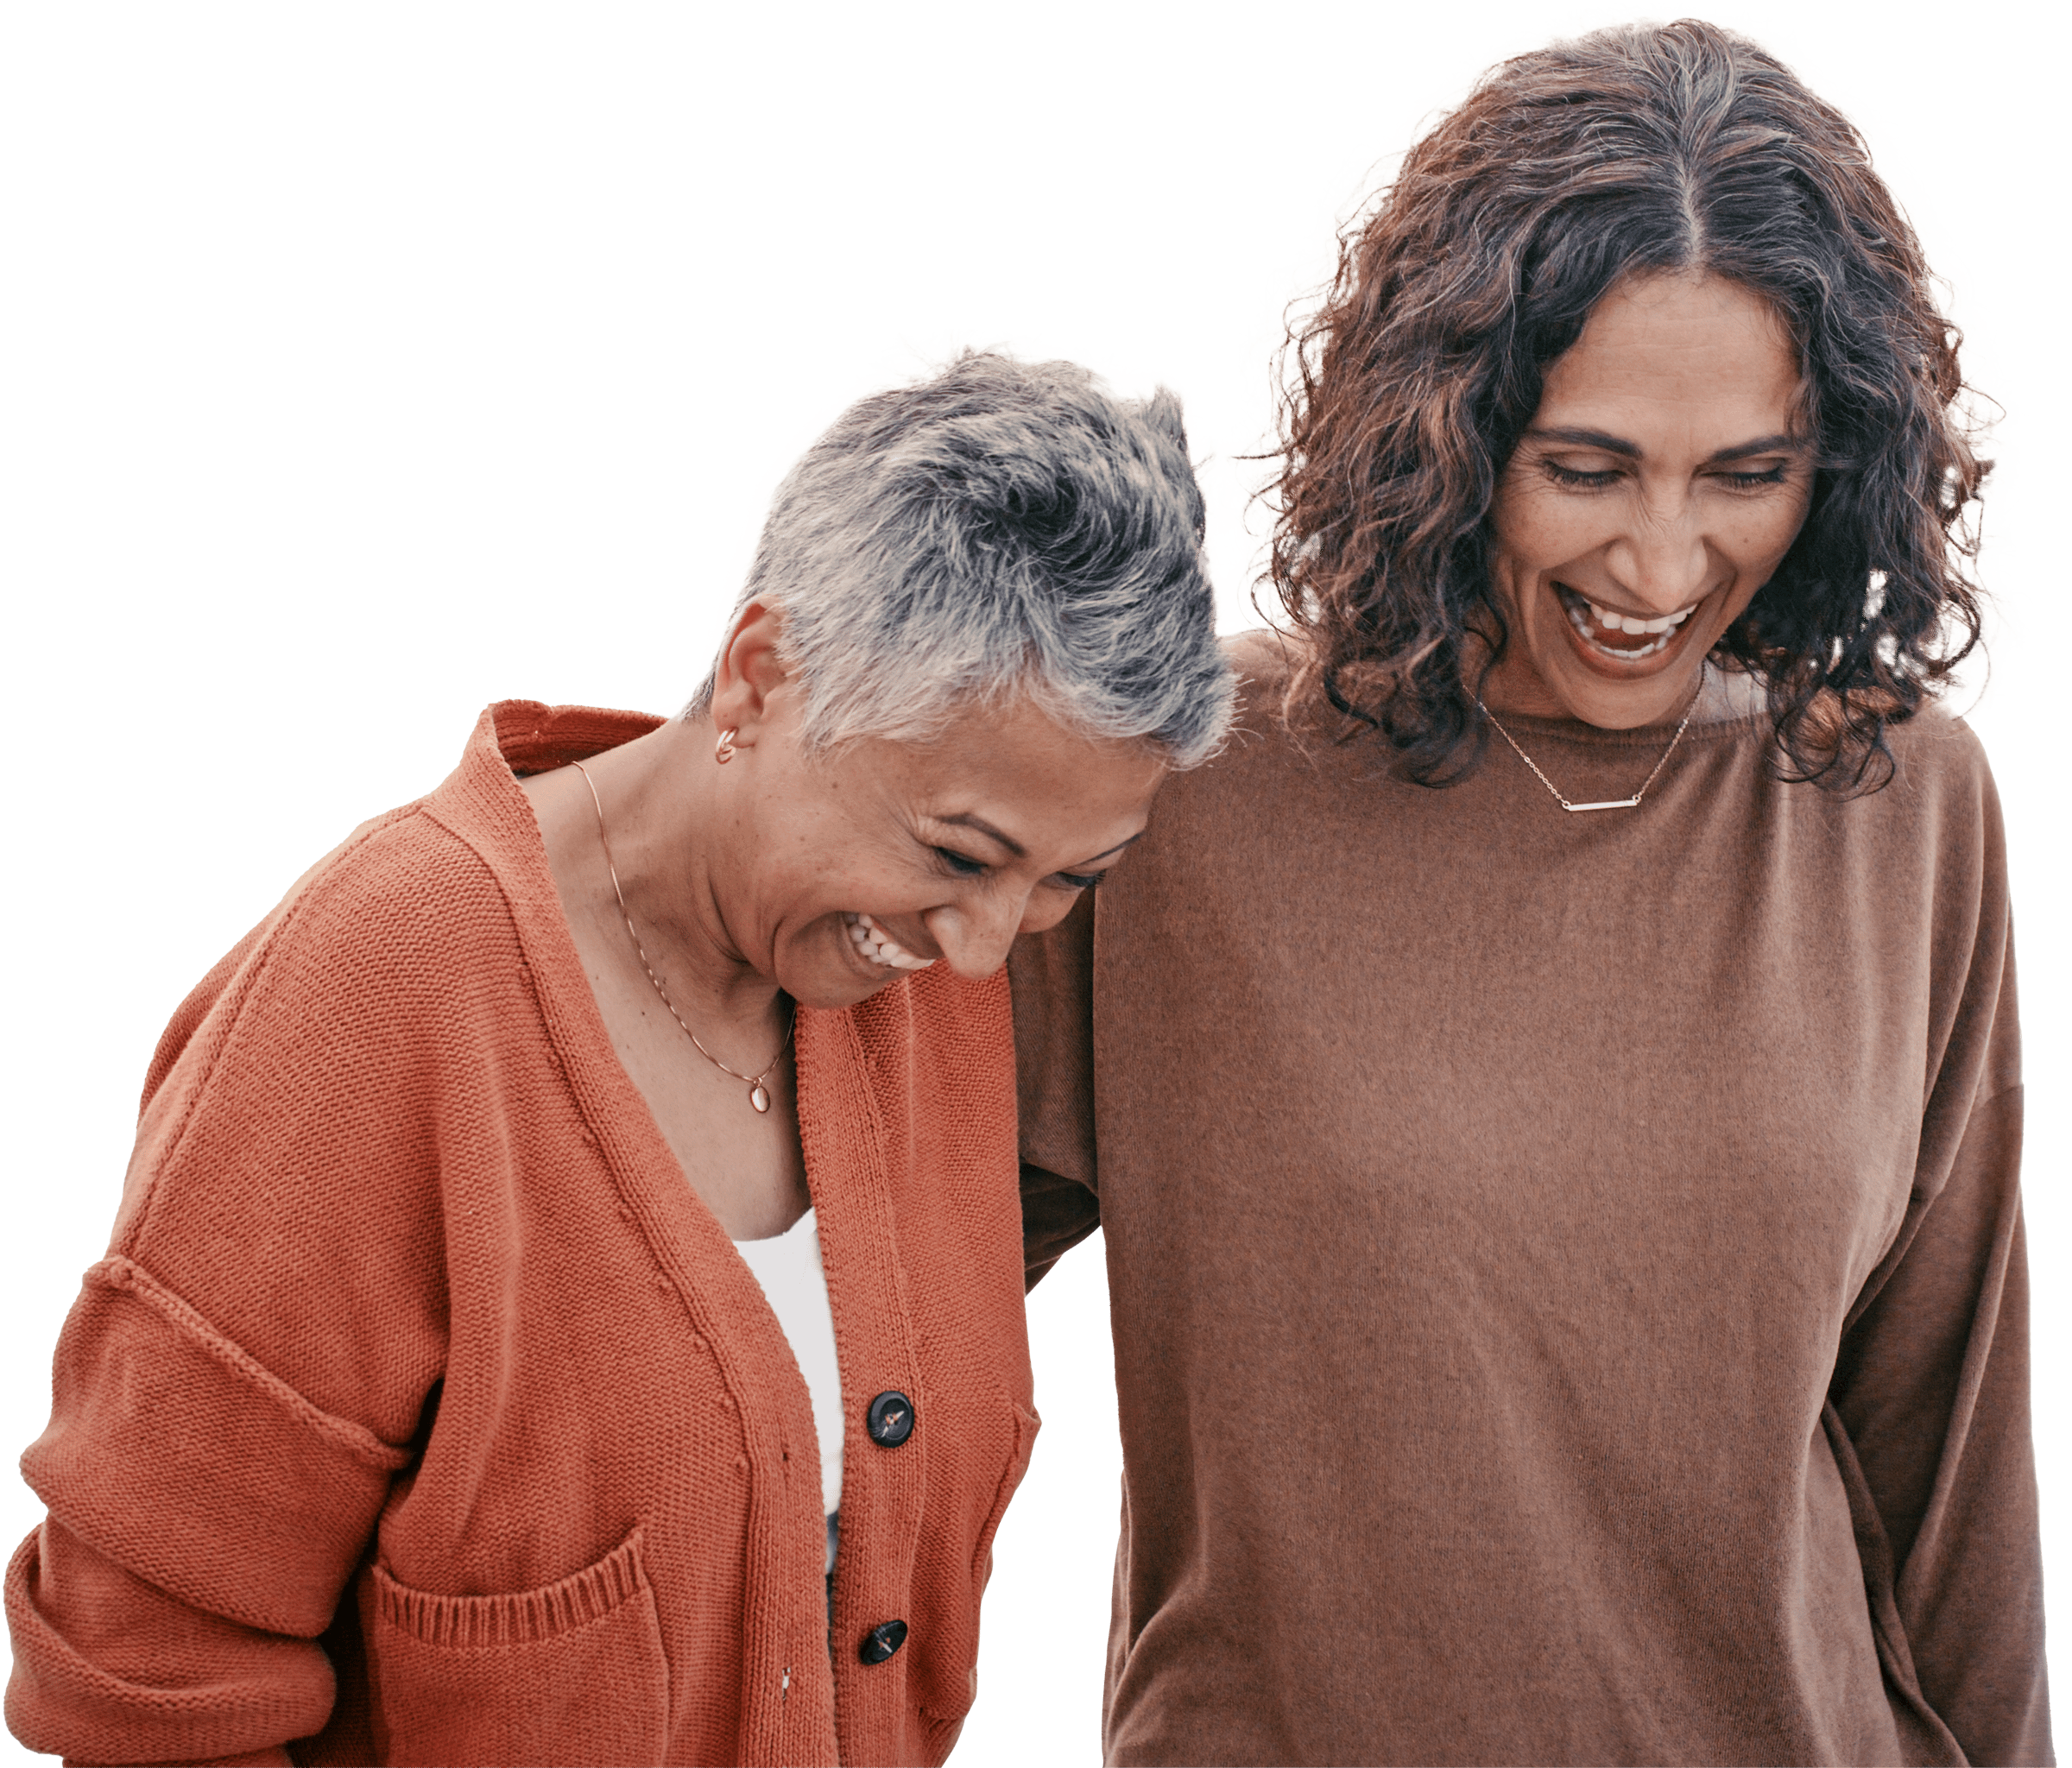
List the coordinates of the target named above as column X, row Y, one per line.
column 723, row 751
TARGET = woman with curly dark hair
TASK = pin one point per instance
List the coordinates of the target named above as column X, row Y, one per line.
column 1551, row 1089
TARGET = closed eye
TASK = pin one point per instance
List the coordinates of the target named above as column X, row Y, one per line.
column 965, row 867
column 1596, row 481
column 1569, row 476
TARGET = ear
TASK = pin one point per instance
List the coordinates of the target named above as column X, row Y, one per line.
column 749, row 673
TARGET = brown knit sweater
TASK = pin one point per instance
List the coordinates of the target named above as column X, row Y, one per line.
column 1567, row 1271
column 422, row 1413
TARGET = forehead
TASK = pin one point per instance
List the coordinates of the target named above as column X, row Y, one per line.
column 1014, row 763
column 1669, row 349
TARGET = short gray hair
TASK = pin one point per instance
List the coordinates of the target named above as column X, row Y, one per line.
column 1001, row 528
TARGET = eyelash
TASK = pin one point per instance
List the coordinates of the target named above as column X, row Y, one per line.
column 965, row 867
column 1598, row 481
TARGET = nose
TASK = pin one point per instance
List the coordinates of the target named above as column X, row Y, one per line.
column 1663, row 562
column 974, row 935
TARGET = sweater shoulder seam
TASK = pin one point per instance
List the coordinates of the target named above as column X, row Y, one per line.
column 124, row 1276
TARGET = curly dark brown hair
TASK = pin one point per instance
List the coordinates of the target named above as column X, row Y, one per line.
column 1641, row 149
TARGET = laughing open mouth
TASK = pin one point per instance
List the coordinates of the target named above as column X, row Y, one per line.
column 879, row 946
column 1623, row 637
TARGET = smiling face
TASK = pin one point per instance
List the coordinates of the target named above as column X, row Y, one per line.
column 1661, row 484
column 880, row 857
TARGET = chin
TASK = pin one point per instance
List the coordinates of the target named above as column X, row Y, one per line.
column 829, row 974
column 817, row 987
column 1627, row 706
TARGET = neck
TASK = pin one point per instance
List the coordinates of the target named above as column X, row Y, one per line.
column 1513, row 686
column 674, row 856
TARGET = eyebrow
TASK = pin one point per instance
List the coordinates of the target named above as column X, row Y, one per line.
column 964, row 819
column 1782, row 442
column 1116, row 848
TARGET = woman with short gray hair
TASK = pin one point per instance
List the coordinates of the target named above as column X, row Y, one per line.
column 597, row 1176
column 1002, row 528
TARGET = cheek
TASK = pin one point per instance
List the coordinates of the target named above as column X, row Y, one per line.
column 1535, row 534
column 1767, row 535
column 1753, row 543
column 1045, row 908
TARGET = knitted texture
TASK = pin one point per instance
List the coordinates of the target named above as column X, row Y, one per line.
column 1567, row 1277
column 420, row 1411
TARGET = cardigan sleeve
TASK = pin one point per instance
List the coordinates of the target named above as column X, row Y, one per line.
column 1051, row 978
column 1929, row 1411
column 203, row 1519
column 239, row 1380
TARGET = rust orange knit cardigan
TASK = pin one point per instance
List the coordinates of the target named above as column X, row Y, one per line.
column 421, row 1412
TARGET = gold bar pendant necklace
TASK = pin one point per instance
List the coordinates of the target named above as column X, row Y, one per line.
column 1607, row 804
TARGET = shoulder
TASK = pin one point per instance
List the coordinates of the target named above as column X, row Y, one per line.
column 383, row 933
column 1939, row 748
column 1936, row 758
column 1264, row 661
column 384, row 1007
column 1932, row 750
column 404, row 902
column 1941, row 797
column 1273, row 749
column 1937, row 798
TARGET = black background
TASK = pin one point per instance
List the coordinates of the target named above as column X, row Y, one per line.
column 374, row 378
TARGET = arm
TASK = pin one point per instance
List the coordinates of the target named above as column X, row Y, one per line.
column 77, row 1666
column 1930, row 1395
column 237, row 1384
column 1051, row 978
column 203, row 1519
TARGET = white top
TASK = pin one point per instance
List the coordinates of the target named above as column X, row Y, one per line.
column 788, row 1268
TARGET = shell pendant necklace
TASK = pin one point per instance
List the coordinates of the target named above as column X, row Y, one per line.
column 759, row 1094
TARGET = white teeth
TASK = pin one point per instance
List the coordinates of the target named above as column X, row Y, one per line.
column 1582, row 624
column 1582, row 613
column 879, row 946
column 1612, row 621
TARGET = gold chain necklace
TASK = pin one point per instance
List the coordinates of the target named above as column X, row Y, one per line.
column 1607, row 804
column 759, row 1095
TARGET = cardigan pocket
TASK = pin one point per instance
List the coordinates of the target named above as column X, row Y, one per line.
column 572, row 1672
column 1027, row 1424
column 943, row 1708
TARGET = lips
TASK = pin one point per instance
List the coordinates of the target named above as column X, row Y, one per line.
column 1608, row 632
